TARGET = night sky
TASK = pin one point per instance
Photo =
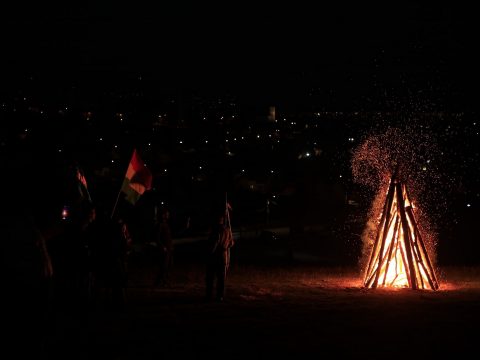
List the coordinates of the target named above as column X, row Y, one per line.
column 276, row 53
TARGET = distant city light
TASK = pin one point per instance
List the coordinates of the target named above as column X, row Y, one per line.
column 468, row 205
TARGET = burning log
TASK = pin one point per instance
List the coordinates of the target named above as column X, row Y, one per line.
column 399, row 257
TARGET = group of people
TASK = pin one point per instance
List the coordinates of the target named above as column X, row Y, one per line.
column 89, row 257
column 97, row 257
column 59, row 267
column 219, row 242
column 84, row 263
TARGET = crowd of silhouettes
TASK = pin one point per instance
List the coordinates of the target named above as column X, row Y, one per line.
column 56, row 266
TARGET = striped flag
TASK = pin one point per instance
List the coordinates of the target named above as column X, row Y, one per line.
column 82, row 185
column 137, row 180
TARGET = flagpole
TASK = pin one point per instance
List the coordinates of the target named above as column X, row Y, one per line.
column 119, row 192
column 229, row 227
column 116, row 202
column 228, row 215
column 228, row 212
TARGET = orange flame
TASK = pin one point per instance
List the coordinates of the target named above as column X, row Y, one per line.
column 399, row 257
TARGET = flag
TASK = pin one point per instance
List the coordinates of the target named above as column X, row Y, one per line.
column 137, row 180
column 228, row 208
column 82, row 185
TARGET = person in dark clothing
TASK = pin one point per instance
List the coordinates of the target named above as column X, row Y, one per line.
column 164, row 242
column 120, row 241
column 72, row 260
column 25, row 263
column 26, row 271
column 220, row 241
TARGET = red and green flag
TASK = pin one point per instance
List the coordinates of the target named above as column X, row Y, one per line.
column 137, row 180
column 82, row 185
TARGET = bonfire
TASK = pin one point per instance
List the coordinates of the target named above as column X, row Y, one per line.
column 399, row 239
column 399, row 257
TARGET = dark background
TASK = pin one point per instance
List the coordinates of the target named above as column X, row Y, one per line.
column 261, row 52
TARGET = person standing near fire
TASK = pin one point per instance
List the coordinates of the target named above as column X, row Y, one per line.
column 220, row 241
column 164, row 242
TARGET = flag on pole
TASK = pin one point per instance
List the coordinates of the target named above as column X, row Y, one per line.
column 228, row 223
column 137, row 180
column 82, row 185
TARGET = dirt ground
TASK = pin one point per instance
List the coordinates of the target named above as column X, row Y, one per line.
column 270, row 311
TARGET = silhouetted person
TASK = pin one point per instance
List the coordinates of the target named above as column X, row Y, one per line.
column 72, row 260
column 164, row 241
column 120, row 241
column 220, row 241
column 25, row 265
column 26, row 269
